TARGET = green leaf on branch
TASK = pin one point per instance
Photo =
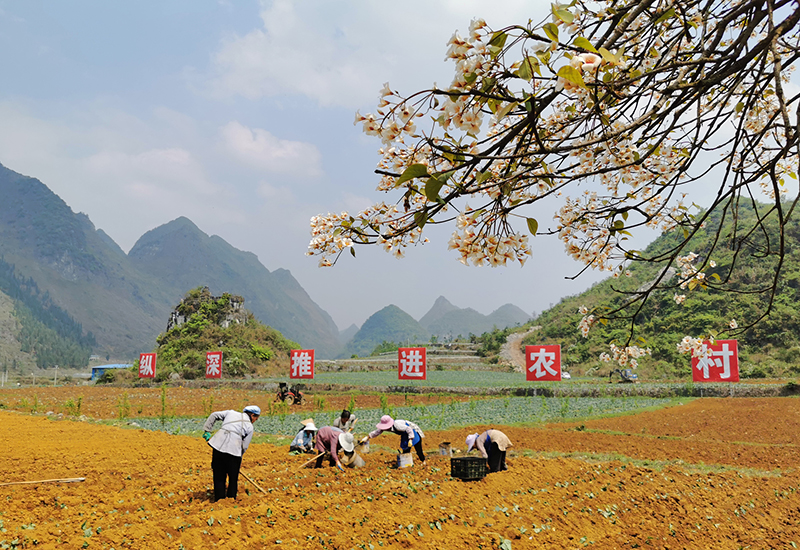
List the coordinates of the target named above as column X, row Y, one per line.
column 581, row 42
column 607, row 56
column 571, row 74
column 498, row 39
column 666, row 15
column 551, row 31
column 483, row 176
column 563, row 13
column 353, row 251
column 533, row 226
column 432, row 187
column 420, row 218
column 413, row 171
column 501, row 113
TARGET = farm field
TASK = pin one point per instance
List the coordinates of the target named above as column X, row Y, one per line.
column 709, row 473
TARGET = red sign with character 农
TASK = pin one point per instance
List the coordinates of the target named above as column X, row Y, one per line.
column 214, row 364
column 543, row 363
column 412, row 364
column 147, row 365
column 719, row 363
column 302, row 363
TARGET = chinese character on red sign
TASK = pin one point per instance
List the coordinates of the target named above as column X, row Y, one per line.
column 543, row 363
column 719, row 363
column 411, row 364
column 147, row 365
column 214, row 364
column 302, row 365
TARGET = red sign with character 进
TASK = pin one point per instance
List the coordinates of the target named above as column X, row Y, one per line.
column 147, row 365
column 302, row 363
column 214, row 364
column 543, row 363
column 411, row 364
column 719, row 363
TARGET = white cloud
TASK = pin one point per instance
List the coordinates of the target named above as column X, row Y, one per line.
column 260, row 149
column 338, row 53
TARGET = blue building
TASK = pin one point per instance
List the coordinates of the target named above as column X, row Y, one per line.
column 98, row 371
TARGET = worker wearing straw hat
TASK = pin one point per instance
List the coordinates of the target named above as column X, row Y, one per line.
column 303, row 442
column 410, row 434
column 492, row 444
column 229, row 444
column 329, row 440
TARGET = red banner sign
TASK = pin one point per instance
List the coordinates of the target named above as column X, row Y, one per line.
column 147, row 365
column 302, row 363
column 719, row 364
column 213, row 364
column 543, row 363
column 411, row 364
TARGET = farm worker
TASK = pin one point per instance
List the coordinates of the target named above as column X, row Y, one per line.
column 303, row 442
column 229, row 444
column 492, row 444
column 345, row 421
column 329, row 439
column 410, row 434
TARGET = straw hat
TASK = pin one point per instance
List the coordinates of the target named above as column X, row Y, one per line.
column 347, row 441
column 385, row 423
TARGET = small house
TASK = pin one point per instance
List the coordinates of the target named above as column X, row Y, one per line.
column 98, row 371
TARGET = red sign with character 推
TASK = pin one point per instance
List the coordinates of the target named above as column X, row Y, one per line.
column 411, row 364
column 717, row 362
column 302, row 363
column 543, row 363
column 147, row 365
column 214, row 364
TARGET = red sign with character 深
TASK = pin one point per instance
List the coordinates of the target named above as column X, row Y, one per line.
column 214, row 364
column 543, row 363
column 302, row 363
column 412, row 364
column 147, row 365
column 717, row 362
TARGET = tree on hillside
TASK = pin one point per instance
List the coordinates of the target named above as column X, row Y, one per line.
column 613, row 113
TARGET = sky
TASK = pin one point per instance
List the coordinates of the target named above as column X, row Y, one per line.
column 239, row 116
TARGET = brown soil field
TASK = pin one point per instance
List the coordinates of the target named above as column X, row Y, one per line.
column 712, row 473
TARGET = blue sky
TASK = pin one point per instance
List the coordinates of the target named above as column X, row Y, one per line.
column 239, row 116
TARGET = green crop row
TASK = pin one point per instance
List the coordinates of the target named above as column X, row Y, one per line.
column 443, row 416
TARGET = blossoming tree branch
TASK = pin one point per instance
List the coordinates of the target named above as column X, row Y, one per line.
column 614, row 111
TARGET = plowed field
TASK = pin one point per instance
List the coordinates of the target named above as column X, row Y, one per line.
column 713, row 473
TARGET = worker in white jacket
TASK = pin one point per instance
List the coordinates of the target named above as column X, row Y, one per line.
column 229, row 444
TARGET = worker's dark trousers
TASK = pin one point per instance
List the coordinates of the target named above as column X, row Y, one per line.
column 497, row 458
column 417, row 442
column 225, row 466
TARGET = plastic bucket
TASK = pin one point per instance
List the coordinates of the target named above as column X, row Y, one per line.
column 445, row 449
column 363, row 448
column 405, row 460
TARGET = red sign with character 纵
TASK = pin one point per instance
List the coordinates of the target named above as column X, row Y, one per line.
column 302, row 363
column 214, row 364
column 147, row 365
column 543, row 363
column 720, row 363
column 411, row 364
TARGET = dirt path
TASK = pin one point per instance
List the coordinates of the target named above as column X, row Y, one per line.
column 511, row 353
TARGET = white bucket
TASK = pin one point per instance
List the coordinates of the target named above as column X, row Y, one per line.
column 405, row 460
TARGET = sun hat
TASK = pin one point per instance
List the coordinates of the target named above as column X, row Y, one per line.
column 310, row 427
column 347, row 441
column 385, row 423
column 253, row 409
column 307, row 421
column 471, row 439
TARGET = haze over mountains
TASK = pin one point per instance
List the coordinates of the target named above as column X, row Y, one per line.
column 124, row 300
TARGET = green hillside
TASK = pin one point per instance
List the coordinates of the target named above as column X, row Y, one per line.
column 770, row 348
column 391, row 324
column 208, row 323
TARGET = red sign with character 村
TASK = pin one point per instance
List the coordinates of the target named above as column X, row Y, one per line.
column 543, row 363
column 214, row 364
column 411, row 364
column 720, row 363
column 302, row 363
column 147, row 365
